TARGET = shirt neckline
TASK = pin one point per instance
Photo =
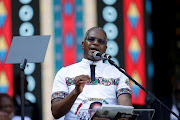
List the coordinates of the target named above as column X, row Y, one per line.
column 89, row 62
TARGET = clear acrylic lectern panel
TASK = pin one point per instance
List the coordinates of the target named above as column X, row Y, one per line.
column 144, row 114
column 112, row 114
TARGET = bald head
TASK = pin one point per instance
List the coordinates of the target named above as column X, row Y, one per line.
column 99, row 28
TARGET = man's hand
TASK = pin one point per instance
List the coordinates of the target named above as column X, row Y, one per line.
column 80, row 82
column 60, row 106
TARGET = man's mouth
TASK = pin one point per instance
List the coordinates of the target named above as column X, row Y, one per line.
column 93, row 49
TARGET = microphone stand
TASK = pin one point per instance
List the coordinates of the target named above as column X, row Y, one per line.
column 22, row 67
column 152, row 97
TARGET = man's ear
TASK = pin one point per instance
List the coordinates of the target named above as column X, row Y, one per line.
column 83, row 45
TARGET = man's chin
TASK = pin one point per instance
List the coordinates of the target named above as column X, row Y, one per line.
column 90, row 57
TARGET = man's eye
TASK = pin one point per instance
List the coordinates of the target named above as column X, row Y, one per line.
column 91, row 38
column 101, row 41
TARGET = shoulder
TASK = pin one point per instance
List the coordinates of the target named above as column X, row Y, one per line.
column 72, row 65
column 69, row 67
column 110, row 68
column 106, row 65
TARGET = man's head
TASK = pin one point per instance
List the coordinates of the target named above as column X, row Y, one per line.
column 95, row 40
column 94, row 105
column 176, row 93
column 7, row 105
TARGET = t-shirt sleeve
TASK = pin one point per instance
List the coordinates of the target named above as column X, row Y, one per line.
column 60, row 89
column 123, row 86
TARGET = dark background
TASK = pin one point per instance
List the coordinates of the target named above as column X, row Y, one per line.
column 165, row 52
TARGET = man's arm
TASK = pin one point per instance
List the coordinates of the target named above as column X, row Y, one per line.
column 60, row 107
column 125, row 99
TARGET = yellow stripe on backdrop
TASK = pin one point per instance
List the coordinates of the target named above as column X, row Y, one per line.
column 46, row 17
column 90, row 14
column 48, row 67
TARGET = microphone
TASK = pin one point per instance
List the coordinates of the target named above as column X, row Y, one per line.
column 98, row 55
column 106, row 56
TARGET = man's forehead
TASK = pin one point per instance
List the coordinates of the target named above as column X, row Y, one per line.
column 97, row 33
column 96, row 30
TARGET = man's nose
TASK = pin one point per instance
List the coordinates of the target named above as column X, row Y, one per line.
column 95, row 42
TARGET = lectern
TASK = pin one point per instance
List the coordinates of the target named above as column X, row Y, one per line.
column 113, row 114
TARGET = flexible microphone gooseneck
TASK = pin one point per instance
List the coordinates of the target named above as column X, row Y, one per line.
column 152, row 97
column 104, row 56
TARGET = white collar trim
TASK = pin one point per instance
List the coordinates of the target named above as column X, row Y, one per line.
column 89, row 62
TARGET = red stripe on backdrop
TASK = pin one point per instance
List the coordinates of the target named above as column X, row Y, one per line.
column 6, row 31
column 68, row 28
column 137, row 32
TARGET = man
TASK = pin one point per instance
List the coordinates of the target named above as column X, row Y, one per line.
column 7, row 109
column 73, row 88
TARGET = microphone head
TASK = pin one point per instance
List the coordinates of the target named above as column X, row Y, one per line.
column 106, row 56
column 97, row 55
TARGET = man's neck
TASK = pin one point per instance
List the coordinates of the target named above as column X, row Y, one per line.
column 92, row 59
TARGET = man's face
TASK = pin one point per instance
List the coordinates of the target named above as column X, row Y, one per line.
column 90, row 47
column 7, row 106
column 95, row 106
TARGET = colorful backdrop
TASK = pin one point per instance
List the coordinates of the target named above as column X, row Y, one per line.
column 126, row 23
column 6, row 70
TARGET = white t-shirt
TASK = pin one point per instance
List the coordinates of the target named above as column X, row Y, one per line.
column 175, row 110
column 19, row 118
column 109, row 84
